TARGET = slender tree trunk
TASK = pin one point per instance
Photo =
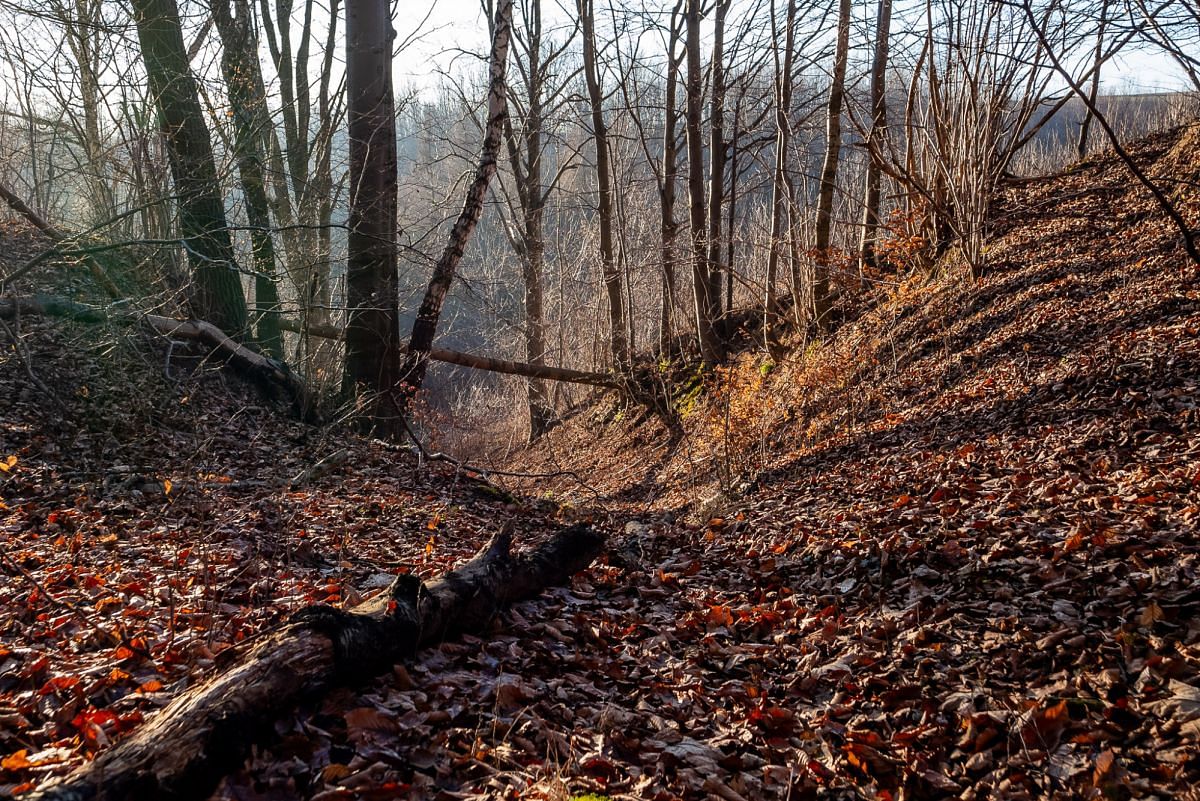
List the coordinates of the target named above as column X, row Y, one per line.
column 533, row 205
column 425, row 326
column 218, row 295
column 705, row 333
column 240, row 68
column 833, row 147
column 871, row 201
column 372, row 323
column 526, row 149
column 668, row 227
column 612, row 276
column 1085, row 127
column 716, row 156
column 731, row 223
column 780, row 193
column 319, row 299
column 83, row 34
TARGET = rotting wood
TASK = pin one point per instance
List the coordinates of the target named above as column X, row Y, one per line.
column 183, row 752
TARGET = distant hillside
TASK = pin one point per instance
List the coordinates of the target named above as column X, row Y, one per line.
column 1131, row 115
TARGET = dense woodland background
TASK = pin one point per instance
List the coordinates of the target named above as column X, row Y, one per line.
column 670, row 179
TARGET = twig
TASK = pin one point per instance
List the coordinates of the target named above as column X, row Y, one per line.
column 1189, row 241
column 482, row 473
column 113, row 639
column 26, row 363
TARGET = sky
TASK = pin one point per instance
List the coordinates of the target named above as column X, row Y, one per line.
column 456, row 25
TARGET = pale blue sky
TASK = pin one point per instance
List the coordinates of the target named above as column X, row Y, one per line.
column 459, row 24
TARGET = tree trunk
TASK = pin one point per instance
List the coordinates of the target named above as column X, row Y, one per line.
column 537, row 371
column 871, row 200
column 612, row 276
column 716, row 156
column 1081, row 146
column 525, row 155
column 780, row 193
column 218, row 292
column 705, row 333
column 668, row 227
column 430, row 312
column 183, row 752
column 833, row 147
column 731, row 221
column 372, row 320
column 243, row 78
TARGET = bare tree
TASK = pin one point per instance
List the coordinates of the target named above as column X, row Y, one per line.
column 425, row 326
column 780, row 193
column 372, row 323
column 542, row 93
column 705, row 310
column 218, row 295
column 717, row 153
column 829, row 170
column 618, row 339
column 1172, row 26
column 661, row 154
column 251, row 124
column 878, row 130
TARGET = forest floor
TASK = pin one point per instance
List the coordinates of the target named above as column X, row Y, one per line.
column 951, row 553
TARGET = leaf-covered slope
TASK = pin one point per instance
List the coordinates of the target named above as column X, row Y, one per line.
column 968, row 565
column 961, row 563
column 156, row 513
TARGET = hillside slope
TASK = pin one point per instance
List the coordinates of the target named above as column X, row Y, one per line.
column 952, row 553
column 975, row 511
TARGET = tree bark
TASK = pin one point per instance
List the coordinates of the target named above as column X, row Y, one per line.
column 525, row 154
column 430, row 312
column 833, row 148
column 716, row 156
column 668, row 227
column 618, row 342
column 372, row 366
column 184, row 751
column 248, row 104
column 780, row 193
column 705, row 333
column 871, row 201
column 218, row 294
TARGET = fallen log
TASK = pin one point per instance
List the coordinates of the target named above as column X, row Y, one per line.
column 183, row 751
column 250, row 362
column 274, row 371
column 487, row 363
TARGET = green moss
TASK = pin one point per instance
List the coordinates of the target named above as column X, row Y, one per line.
column 688, row 394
